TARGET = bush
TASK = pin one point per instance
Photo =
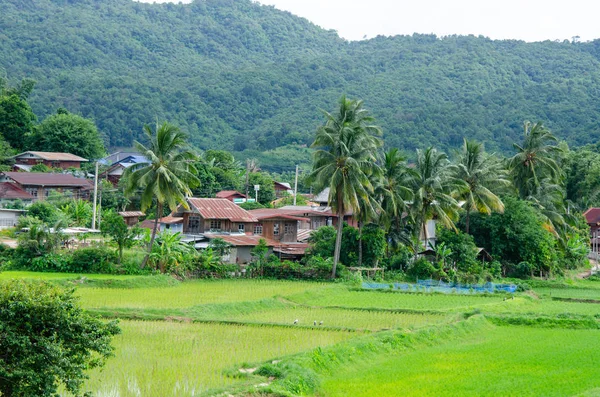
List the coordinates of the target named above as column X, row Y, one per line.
column 316, row 268
column 93, row 260
column 50, row 263
column 421, row 268
column 400, row 260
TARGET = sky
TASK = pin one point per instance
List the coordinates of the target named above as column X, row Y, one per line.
column 529, row 20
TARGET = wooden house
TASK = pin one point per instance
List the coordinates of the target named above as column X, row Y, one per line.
column 40, row 185
column 24, row 161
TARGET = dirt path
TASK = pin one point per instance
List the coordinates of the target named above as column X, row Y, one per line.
column 595, row 269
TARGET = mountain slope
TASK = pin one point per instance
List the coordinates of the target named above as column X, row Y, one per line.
column 241, row 76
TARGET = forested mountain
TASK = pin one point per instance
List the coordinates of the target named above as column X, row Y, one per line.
column 240, row 76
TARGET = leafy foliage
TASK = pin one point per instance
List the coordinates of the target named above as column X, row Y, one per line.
column 47, row 340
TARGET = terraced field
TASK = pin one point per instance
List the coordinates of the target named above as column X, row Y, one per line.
column 231, row 337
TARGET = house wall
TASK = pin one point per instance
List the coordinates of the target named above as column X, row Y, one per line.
column 8, row 219
column 243, row 254
column 269, row 230
column 52, row 164
column 40, row 193
column 173, row 227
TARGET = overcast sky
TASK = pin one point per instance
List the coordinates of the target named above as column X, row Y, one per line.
column 530, row 20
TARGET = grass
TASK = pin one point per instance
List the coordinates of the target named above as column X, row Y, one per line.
column 516, row 361
column 341, row 296
column 191, row 293
column 178, row 359
column 198, row 333
column 7, row 275
column 355, row 319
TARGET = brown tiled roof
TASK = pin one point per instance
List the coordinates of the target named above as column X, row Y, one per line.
column 131, row 214
column 592, row 215
column 217, row 208
column 47, row 179
column 54, row 156
column 11, row 191
column 229, row 193
column 242, row 239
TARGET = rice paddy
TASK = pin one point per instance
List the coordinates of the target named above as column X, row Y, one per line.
column 503, row 361
column 197, row 334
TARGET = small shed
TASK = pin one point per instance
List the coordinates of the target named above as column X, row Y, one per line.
column 131, row 218
column 9, row 217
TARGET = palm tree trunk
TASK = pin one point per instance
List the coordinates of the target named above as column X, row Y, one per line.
column 154, row 229
column 338, row 239
column 360, row 247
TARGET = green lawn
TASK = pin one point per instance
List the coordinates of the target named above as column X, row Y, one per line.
column 503, row 361
column 177, row 359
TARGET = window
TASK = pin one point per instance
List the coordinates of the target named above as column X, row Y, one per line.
column 47, row 192
column 276, row 229
column 241, row 227
column 288, row 228
column 215, row 224
column 258, row 229
column 32, row 190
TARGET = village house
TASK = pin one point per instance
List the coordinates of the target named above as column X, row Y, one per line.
column 174, row 224
column 26, row 160
column 115, row 170
column 232, row 195
column 282, row 189
column 41, row 185
column 11, row 192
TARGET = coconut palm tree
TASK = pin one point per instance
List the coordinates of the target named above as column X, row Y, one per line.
column 394, row 191
column 433, row 187
column 535, row 160
column 167, row 175
column 346, row 152
column 480, row 172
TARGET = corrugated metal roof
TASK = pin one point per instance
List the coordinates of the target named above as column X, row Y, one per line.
column 47, row 179
column 131, row 214
column 229, row 193
column 303, row 234
column 52, row 156
column 218, row 208
column 592, row 215
column 242, row 239
column 292, row 249
column 11, row 191
column 169, row 220
column 270, row 213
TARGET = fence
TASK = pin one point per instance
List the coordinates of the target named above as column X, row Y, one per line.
column 443, row 287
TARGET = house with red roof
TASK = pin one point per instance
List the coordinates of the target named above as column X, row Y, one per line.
column 11, row 192
column 40, row 185
column 232, row 195
column 592, row 217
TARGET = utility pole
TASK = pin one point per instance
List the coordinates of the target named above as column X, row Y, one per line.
column 296, row 185
column 95, row 197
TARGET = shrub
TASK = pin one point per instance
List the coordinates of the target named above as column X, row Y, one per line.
column 93, row 260
column 50, row 263
column 421, row 268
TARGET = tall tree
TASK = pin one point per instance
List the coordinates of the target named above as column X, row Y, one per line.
column 346, row 152
column 433, row 187
column 394, row 190
column 480, row 173
column 69, row 133
column 535, row 160
column 16, row 117
column 168, row 175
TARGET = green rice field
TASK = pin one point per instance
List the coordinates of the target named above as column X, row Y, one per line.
column 196, row 336
column 503, row 361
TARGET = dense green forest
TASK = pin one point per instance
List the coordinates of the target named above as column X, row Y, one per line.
column 249, row 78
